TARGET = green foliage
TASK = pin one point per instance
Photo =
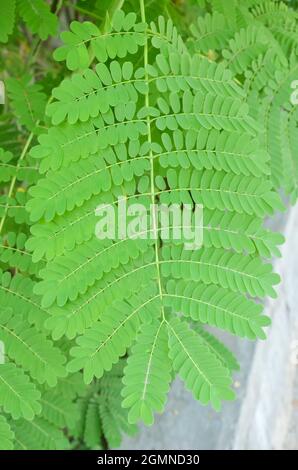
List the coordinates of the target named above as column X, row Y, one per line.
column 146, row 387
column 6, row 435
column 102, row 417
column 187, row 104
column 7, row 19
column 76, row 42
column 27, row 101
column 31, row 349
column 121, row 124
column 203, row 374
column 19, row 396
column 222, row 353
column 267, row 75
column 36, row 15
column 38, row 434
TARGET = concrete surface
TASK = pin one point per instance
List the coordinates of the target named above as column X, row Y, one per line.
column 267, row 407
column 291, row 438
column 265, row 414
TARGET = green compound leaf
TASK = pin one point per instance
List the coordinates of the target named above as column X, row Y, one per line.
column 147, row 374
column 203, row 374
column 18, row 395
column 6, row 435
column 146, row 119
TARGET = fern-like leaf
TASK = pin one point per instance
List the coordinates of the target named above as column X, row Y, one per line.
column 27, row 100
column 30, row 349
column 147, row 375
column 18, row 395
column 38, row 17
column 123, row 36
column 144, row 119
column 203, row 374
column 38, row 434
column 219, row 349
column 6, row 435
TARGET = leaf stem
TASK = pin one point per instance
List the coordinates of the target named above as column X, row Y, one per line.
column 13, row 181
column 154, row 220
